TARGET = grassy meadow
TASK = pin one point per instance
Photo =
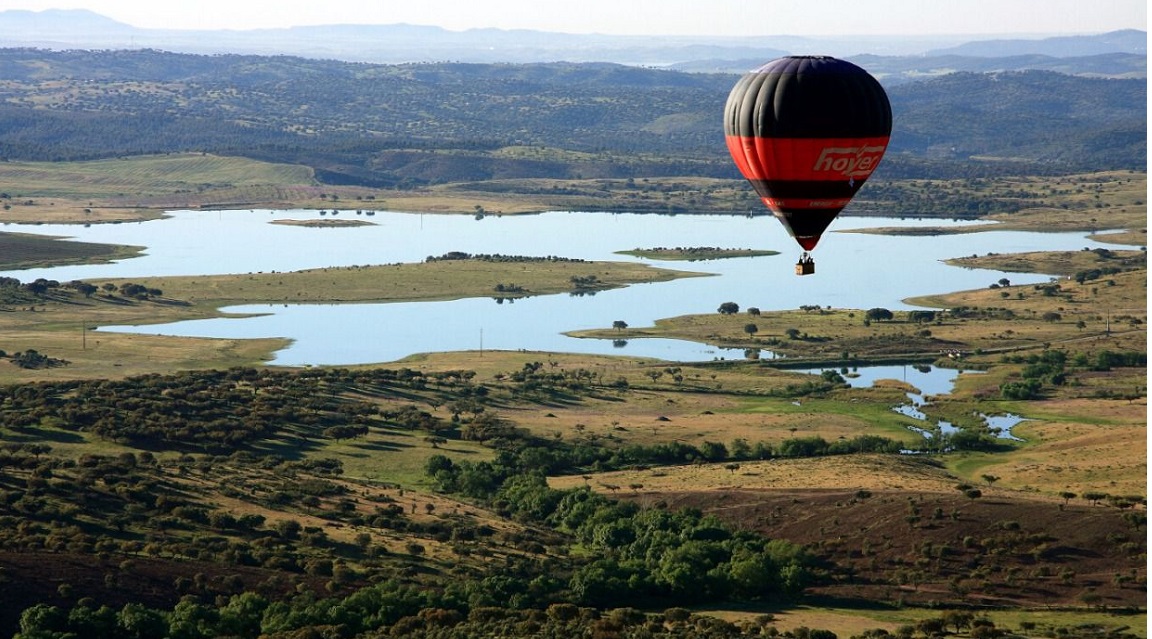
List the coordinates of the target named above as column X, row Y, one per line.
column 1099, row 201
column 135, row 188
column 1109, row 312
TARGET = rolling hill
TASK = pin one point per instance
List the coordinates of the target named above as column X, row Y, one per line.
column 398, row 125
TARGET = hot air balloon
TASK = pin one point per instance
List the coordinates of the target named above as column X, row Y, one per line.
column 807, row 131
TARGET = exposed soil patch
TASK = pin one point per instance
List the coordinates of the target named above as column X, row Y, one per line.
column 939, row 548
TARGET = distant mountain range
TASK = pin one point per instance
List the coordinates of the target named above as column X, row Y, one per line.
column 1126, row 51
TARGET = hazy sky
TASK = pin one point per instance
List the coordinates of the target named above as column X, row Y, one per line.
column 638, row 17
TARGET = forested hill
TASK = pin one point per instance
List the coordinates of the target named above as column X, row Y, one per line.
column 396, row 125
column 1027, row 116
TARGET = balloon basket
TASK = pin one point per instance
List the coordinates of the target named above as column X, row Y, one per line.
column 805, row 265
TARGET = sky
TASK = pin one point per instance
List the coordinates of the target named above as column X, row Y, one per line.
column 638, row 17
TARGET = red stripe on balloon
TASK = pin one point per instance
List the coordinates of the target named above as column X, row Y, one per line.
column 807, row 159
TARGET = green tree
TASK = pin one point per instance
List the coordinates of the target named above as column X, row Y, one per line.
column 600, row 583
column 137, row 621
column 753, row 575
column 42, row 621
column 687, row 570
column 84, row 288
column 739, row 449
column 192, row 620
column 921, row 317
column 1094, row 496
column 288, row 528
column 714, row 451
column 728, row 308
column 958, row 619
column 85, row 621
column 242, row 616
column 436, row 464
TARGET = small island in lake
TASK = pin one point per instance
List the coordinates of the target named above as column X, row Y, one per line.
column 695, row 253
column 324, row 223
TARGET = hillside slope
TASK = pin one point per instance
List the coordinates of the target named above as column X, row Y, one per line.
column 391, row 126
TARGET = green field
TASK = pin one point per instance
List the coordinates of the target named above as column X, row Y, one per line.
column 143, row 176
column 135, row 188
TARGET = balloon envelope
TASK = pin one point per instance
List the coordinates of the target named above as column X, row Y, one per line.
column 807, row 131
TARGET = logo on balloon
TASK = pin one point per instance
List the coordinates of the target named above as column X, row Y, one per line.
column 852, row 162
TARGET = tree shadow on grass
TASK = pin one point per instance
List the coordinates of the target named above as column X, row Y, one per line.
column 290, row 448
column 38, row 435
column 381, row 446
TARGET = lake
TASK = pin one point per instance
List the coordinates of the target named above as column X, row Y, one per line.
column 854, row 270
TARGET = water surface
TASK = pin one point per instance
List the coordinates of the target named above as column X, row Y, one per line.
column 854, row 270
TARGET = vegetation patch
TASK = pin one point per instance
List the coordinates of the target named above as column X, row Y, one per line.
column 270, row 512
column 23, row 251
column 323, row 223
column 695, row 253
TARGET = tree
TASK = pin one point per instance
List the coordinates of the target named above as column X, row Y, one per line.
column 288, row 528
column 750, row 328
column 714, row 451
column 345, row 431
column 792, row 333
column 729, row 308
column 84, row 288
column 619, row 325
column 42, row 620
column 990, row 479
column 600, row 583
column 189, row 618
column 753, row 311
column 242, row 615
column 739, row 449
column 958, row 619
column 1094, row 497
column 878, row 314
column 84, row 621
